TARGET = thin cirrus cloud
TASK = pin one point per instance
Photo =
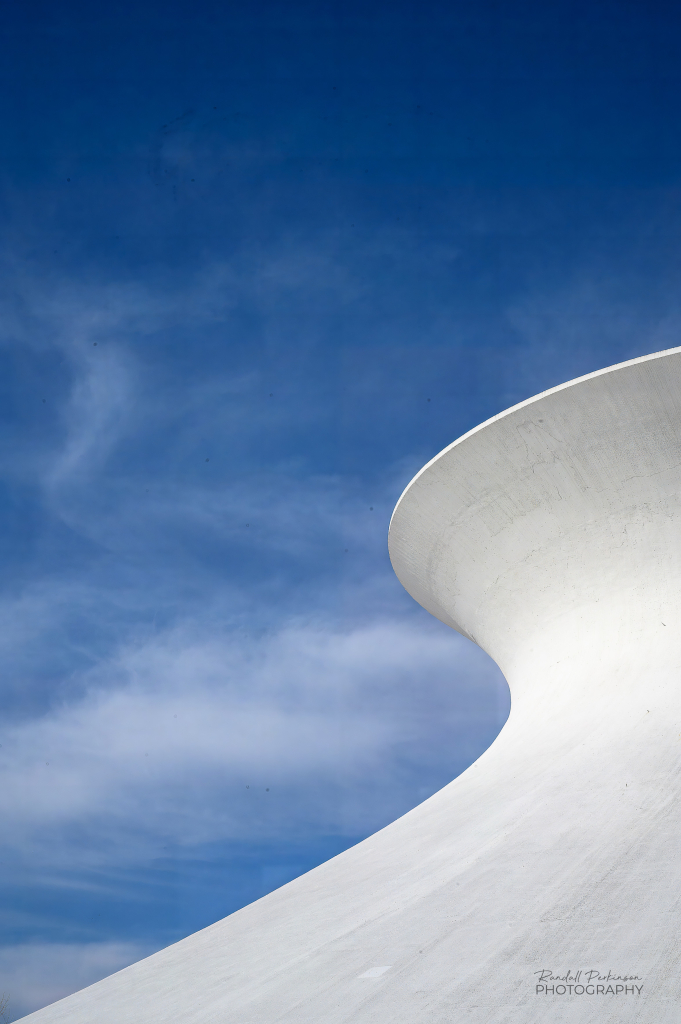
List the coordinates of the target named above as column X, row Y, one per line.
column 304, row 713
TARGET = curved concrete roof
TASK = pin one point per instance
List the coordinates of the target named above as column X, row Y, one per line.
column 526, row 515
column 551, row 535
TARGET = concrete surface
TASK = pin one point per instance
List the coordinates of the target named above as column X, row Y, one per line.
column 551, row 535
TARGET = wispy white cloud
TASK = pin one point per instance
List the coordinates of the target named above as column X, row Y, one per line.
column 96, row 412
column 305, row 713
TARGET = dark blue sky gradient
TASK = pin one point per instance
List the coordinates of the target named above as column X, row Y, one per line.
column 260, row 262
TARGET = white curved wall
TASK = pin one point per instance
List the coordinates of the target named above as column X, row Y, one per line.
column 551, row 535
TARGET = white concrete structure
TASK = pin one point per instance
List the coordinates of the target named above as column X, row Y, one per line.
column 550, row 535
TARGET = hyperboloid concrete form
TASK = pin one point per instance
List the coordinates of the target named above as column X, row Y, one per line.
column 551, row 536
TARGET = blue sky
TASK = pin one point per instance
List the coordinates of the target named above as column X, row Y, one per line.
column 260, row 263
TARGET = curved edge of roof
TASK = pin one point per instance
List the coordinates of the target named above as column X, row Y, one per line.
column 523, row 404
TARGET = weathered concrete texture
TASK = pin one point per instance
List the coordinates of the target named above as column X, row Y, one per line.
column 551, row 535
